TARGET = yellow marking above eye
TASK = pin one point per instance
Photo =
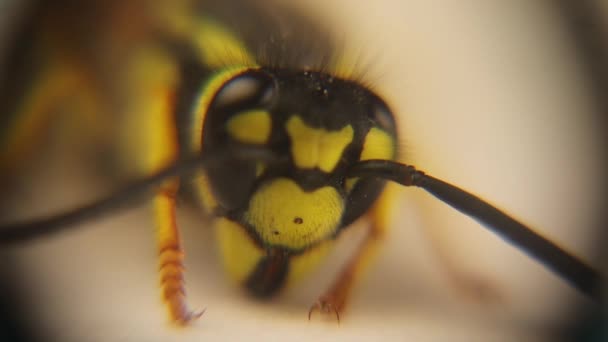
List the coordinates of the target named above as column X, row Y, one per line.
column 252, row 126
column 285, row 215
column 316, row 147
column 378, row 144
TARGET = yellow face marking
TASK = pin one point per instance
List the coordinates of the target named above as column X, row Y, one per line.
column 285, row 215
column 378, row 145
column 251, row 126
column 240, row 254
column 315, row 147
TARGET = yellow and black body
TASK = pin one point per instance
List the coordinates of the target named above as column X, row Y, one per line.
column 320, row 126
column 156, row 82
column 192, row 77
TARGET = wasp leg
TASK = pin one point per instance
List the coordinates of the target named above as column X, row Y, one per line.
column 334, row 300
column 159, row 140
column 171, row 256
column 149, row 143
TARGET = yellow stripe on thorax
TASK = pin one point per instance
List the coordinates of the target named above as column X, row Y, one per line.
column 150, row 135
column 220, row 47
column 216, row 45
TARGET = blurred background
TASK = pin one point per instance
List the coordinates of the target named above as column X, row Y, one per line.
column 497, row 97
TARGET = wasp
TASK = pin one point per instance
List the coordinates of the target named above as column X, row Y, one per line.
column 247, row 109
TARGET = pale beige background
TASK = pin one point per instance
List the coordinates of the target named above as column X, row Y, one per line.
column 488, row 96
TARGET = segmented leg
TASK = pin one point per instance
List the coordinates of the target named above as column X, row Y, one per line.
column 334, row 300
column 150, row 143
column 171, row 256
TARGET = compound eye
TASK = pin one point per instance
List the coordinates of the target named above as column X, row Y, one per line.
column 250, row 89
column 382, row 116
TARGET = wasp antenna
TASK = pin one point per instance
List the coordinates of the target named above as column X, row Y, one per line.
column 570, row 268
column 128, row 196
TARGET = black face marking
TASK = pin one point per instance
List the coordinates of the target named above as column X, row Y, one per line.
column 298, row 220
